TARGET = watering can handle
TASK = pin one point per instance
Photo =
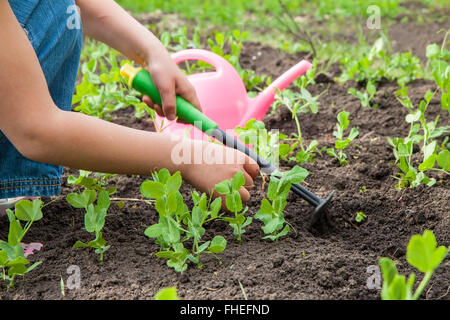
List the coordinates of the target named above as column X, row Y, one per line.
column 220, row 64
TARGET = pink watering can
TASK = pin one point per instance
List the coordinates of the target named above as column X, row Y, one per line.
column 223, row 95
column 225, row 105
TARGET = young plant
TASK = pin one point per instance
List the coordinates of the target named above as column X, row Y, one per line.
column 341, row 144
column 298, row 103
column 410, row 176
column 94, row 218
column 177, row 224
column 271, row 212
column 233, row 202
column 365, row 97
column 438, row 58
column 101, row 90
column 265, row 143
column 203, row 212
column 360, row 217
column 90, row 181
column 376, row 63
column 12, row 258
column 423, row 254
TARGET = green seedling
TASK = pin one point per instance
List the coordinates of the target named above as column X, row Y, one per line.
column 341, row 144
column 102, row 90
column 360, row 217
column 94, row 218
column 271, row 212
column 410, row 176
column 438, row 60
column 298, row 103
column 363, row 189
column 12, row 259
column 265, row 143
column 203, row 212
column 423, row 254
column 365, row 97
column 90, row 181
column 233, row 202
column 377, row 63
column 177, row 224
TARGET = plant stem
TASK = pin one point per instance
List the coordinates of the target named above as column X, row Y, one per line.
column 422, row 285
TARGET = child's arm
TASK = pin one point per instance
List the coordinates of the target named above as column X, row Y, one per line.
column 106, row 21
column 43, row 132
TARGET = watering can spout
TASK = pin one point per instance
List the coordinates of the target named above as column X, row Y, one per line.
column 261, row 104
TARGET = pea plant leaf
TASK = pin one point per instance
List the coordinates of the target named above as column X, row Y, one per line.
column 423, row 254
column 83, row 200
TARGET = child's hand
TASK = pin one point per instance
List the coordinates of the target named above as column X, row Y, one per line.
column 212, row 163
column 170, row 81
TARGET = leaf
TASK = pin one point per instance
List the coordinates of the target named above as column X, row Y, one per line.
column 443, row 160
column 82, row 200
column 223, row 187
column 396, row 290
column 174, row 182
column 429, row 150
column 238, row 181
column 167, row 294
column 422, row 252
column 388, row 269
column 98, row 242
column 94, row 219
column 215, row 207
column 152, row 189
column 154, row 231
column 433, row 51
column 26, row 210
column 343, row 119
column 103, row 200
column 218, row 244
column 428, row 163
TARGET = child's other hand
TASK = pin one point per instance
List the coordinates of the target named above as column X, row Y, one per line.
column 170, row 81
column 212, row 163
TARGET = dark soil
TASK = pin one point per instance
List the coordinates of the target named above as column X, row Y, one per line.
column 329, row 261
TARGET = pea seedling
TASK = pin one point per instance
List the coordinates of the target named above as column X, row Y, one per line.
column 177, row 224
column 230, row 188
column 12, row 259
column 360, row 217
column 271, row 212
column 422, row 254
column 438, row 58
column 341, row 144
column 365, row 97
column 94, row 218
column 265, row 144
column 297, row 103
column 411, row 176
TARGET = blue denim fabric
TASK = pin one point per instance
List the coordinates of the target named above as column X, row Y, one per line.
column 57, row 42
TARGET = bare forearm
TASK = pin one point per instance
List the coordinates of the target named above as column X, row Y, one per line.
column 79, row 141
column 107, row 22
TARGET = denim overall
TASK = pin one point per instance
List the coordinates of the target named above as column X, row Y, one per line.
column 54, row 30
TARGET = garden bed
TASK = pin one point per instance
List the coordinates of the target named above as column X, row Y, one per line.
column 329, row 261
